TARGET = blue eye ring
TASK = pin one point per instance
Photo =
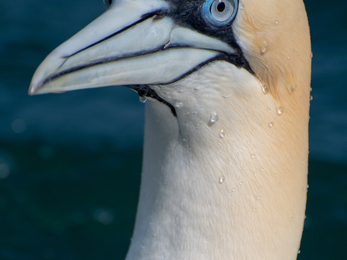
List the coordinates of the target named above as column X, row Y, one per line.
column 209, row 11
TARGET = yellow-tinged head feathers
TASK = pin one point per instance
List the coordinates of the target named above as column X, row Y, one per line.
column 274, row 36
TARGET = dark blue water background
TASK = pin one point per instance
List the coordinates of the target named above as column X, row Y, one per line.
column 70, row 164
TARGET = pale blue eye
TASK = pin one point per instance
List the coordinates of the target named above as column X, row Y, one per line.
column 220, row 12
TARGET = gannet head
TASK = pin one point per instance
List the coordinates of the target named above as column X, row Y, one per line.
column 244, row 62
column 141, row 44
column 189, row 57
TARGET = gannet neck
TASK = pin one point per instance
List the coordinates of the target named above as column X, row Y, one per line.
column 207, row 194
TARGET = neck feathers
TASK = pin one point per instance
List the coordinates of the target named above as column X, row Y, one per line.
column 239, row 195
column 234, row 188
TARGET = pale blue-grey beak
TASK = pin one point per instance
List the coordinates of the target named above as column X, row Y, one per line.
column 132, row 43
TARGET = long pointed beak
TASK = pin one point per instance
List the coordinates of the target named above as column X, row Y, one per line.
column 130, row 44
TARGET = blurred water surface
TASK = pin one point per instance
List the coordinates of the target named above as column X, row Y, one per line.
column 70, row 164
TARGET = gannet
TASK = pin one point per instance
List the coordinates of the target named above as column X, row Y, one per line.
column 227, row 84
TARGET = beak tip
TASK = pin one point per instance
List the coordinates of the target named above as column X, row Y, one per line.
column 31, row 91
column 34, row 89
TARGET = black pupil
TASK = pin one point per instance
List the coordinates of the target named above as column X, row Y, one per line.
column 221, row 7
column 109, row 2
